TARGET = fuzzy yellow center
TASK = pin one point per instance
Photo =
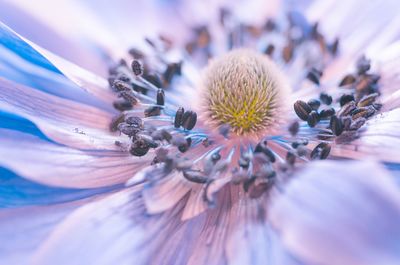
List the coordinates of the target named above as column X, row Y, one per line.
column 243, row 89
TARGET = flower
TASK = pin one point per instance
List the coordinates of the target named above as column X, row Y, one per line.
column 193, row 154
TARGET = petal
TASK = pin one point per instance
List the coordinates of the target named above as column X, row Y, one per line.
column 62, row 120
column 23, row 230
column 165, row 193
column 93, row 37
column 55, row 165
column 23, row 62
column 345, row 213
column 118, row 229
column 46, row 35
column 16, row 192
column 379, row 139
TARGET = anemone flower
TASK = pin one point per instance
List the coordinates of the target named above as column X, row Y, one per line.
column 184, row 132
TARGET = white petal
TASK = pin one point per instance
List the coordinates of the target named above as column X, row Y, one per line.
column 62, row 120
column 57, row 165
column 340, row 213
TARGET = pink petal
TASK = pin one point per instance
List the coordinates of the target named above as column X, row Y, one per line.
column 57, row 165
column 118, row 229
column 340, row 213
column 165, row 193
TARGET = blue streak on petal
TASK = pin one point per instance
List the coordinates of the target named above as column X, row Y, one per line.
column 21, row 63
column 11, row 41
column 14, row 122
column 17, row 192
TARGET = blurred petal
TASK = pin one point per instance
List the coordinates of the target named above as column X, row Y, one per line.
column 23, row 230
column 340, row 213
column 232, row 233
column 61, row 166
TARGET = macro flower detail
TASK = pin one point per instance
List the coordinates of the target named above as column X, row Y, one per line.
column 196, row 136
column 244, row 90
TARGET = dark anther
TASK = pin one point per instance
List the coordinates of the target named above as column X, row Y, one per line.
column 344, row 99
column 172, row 70
column 294, row 128
column 269, row 50
column 178, row 117
column 314, row 104
column 152, row 111
column 334, row 47
column 367, row 100
column 129, row 96
column 116, row 121
column 134, row 121
column 139, row 147
column 363, row 65
column 287, row 52
column 326, row 113
column 325, row 98
column 357, row 124
column 189, row 120
column 312, row 119
column 290, row 158
column 347, row 80
column 130, row 130
column 122, row 105
column 336, row 125
column 302, row 109
column 137, row 67
column 154, row 79
column 347, row 109
column 195, row 176
column 363, row 112
column 136, row 53
column 263, row 148
column 270, row 25
column 121, row 86
column 314, row 75
column 160, row 97
column 321, row 151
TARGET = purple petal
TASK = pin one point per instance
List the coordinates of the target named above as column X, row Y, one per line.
column 340, row 213
column 23, row 230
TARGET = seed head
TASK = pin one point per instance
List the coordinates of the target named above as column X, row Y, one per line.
column 245, row 90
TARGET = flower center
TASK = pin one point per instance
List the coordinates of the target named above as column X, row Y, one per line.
column 243, row 89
